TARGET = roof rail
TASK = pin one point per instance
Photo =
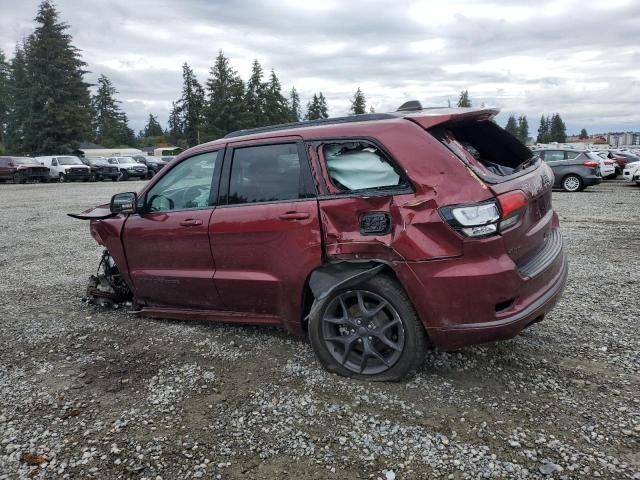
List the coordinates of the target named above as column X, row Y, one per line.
column 366, row 117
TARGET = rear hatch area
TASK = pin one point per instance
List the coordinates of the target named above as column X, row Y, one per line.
column 518, row 179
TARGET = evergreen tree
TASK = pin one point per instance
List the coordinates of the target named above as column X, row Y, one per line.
column 226, row 110
column 174, row 133
column 110, row 125
column 295, row 113
column 464, row 100
column 512, row 126
column 313, row 111
column 58, row 99
column 18, row 103
column 317, row 108
column 523, row 129
column 152, row 128
column 322, row 106
column 543, row 129
column 255, row 97
column 371, row 109
column 583, row 134
column 558, row 129
column 359, row 103
column 4, row 97
column 276, row 107
column 191, row 106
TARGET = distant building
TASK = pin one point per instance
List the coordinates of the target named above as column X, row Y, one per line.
column 619, row 139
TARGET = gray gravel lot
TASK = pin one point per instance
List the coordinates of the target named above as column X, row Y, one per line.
column 91, row 393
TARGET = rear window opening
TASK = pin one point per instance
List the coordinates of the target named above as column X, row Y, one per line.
column 359, row 166
column 486, row 147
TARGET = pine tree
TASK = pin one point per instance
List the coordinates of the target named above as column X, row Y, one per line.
column 174, row 133
column 359, row 103
column 226, row 110
column 543, row 129
column 313, row 111
column 558, row 129
column 191, row 106
column 255, row 97
column 523, row 129
column 323, row 109
column 58, row 98
column 295, row 113
column 371, row 109
column 512, row 126
column 464, row 100
column 276, row 107
column 152, row 128
column 110, row 125
column 583, row 134
column 4, row 96
column 18, row 103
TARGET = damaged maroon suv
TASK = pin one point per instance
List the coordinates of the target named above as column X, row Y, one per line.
column 377, row 235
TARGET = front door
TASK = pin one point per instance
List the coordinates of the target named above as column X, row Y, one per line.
column 266, row 239
column 167, row 245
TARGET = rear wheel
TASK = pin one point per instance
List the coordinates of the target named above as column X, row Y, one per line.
column 18, row 178
column 369, row 332
column 572, row 183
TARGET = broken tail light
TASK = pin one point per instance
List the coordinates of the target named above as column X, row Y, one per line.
column 486, row 218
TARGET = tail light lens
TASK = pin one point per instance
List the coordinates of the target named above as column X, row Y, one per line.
column 486, row 218
column 590, row 163
column 512, row 206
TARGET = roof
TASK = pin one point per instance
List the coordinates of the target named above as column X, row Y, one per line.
column 425, row 117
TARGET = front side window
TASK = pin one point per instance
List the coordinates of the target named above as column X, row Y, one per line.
column 359, row 166
column 187, row 185
column 266, row 173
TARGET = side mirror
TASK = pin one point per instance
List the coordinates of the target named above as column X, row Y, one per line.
column 124, row 202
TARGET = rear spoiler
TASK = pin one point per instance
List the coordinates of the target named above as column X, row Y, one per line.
column 431, row 117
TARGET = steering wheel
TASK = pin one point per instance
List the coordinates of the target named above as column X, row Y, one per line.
column 153, row 198
column 190, row 194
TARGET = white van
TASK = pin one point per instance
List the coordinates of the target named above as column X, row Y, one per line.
column 65, row 168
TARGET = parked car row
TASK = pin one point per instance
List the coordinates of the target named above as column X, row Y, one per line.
column 69, row 168
column 576, row 170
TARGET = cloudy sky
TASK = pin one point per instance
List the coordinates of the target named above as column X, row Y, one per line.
column 577, row 57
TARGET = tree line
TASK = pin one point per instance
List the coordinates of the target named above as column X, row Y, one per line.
column 46, row 105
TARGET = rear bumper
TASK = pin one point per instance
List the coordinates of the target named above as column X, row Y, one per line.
column 459, row 336
column 484, row 296
column 591, row 180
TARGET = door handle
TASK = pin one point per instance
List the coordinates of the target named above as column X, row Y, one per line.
column 190, row 222
column 294, row 216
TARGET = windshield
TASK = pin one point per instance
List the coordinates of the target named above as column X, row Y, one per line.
column 24, row 161
column 69, row 161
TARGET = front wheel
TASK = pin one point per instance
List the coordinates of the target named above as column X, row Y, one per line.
column 124, row 175
column 572, row 183
column 17, row 178
column 369, row 332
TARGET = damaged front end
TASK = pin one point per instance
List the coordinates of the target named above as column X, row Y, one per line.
column 107, row 288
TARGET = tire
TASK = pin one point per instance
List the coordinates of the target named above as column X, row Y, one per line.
column 340, row 340
column 61, row 178
column 123, row 175
column 114, row 179
column 17, row 178
column 572, row 183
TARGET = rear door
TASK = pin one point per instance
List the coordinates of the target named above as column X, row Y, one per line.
column 167, row 245
column 265, row 235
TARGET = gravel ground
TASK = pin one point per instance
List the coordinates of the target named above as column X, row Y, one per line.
column 91, row 393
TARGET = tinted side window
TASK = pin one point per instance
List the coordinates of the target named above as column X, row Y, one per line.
column 266, row 173
column 553, row 155
column 571, row 155
column 187, row 185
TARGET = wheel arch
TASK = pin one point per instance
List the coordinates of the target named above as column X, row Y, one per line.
column 327, row 277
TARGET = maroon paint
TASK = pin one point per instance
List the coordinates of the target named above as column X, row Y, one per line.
column 264, row 253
